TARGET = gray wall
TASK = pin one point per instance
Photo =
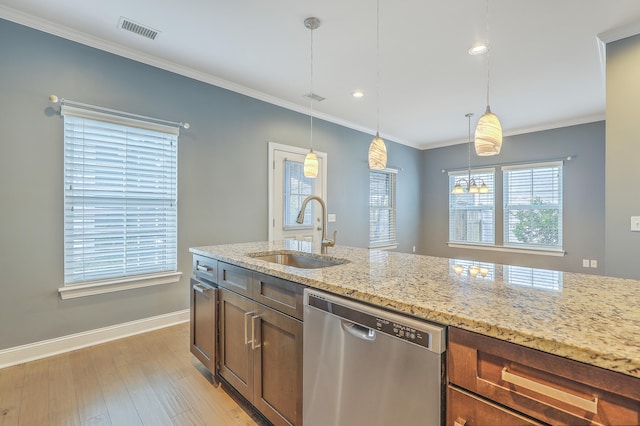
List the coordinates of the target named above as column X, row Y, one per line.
column 222, row 176
column 623, row 157
column 584, row 184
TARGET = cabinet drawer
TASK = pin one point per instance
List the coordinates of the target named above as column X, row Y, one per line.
column 544, row 386
column 236, row 279
column 465, row 409
column 282, row 295
column 205, row 268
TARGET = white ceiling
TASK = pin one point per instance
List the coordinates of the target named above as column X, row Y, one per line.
column 547, row 65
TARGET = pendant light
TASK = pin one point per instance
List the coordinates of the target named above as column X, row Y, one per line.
column 488, row 137
column 377, row 149
column 311, row 159
column 472, row 186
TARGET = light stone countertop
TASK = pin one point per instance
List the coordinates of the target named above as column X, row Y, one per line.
column 586, row 318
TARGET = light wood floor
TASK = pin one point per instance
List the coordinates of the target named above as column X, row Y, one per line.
column 148, row 379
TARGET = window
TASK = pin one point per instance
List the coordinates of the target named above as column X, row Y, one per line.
column 382, row 208
column 533, row 206
column 297, row 187
column 472, row 216
column 120, row 195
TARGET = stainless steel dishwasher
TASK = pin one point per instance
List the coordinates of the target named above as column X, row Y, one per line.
column 367, row 366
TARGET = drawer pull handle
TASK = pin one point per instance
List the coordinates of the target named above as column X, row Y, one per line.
column 200, row 289
column 204, row 268
column 576, row 401
column 460, row 422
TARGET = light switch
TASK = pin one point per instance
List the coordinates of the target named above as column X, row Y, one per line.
column 594, row 263
column 585, row 263
column 635, row 223
column 331, row 217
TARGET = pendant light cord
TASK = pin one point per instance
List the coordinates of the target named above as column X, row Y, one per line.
column 377, row 68
column 488, row 52
column 469, row 115
column 311, row 96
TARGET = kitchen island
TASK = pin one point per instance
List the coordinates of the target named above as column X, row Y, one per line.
column 586, row 318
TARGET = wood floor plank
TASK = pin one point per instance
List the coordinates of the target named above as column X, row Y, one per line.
column 34, row 409
column 129, row 360
column 11, row 385
column 91, row 406
column 63, row 407
column 148, row 379
column 120, row 406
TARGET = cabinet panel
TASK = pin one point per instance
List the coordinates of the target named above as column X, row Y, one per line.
column 544, row 386
column 278, row 367
column 282, row 295
column 237, row 279
column 465, row 409
column 236, row 360
column 203, row 323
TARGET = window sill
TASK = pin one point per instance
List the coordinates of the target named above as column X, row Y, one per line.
column 541, row 252
column 109, row 286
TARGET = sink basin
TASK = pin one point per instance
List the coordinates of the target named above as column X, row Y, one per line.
column 298, row 260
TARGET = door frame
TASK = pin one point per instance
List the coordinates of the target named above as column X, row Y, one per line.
column 273, row 146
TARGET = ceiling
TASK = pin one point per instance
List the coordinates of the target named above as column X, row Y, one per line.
column 546, row 60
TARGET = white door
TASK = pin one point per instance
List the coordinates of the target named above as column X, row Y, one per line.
column 287, row 190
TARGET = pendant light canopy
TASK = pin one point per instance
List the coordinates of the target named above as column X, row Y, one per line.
column 377, row 149
column 488, row 137
column 311, row 159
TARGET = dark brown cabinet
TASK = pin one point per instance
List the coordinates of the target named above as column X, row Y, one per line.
column 533, row 385
column 203, row 310
column 261, row 347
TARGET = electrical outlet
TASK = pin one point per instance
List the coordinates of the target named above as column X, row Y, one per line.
column 635, row 223
column 594, row 263
column 331, row 217
column 414, row 249
column 585, row 263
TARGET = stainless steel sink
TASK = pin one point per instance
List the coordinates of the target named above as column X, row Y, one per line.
column 298, row 260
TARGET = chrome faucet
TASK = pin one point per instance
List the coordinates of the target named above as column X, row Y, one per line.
column 325, row 242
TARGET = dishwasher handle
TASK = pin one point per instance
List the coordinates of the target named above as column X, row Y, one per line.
column 357, row 330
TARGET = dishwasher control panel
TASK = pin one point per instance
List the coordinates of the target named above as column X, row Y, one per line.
column 390, row 324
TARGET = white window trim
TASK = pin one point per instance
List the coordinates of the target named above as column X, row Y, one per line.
column 90, row 288
column 475, row 171
column 109, row 286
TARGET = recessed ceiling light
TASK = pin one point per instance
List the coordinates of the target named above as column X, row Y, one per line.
column 479, row 49
column 357, row 94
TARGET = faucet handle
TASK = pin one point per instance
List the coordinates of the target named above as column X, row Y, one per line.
column 332, row 243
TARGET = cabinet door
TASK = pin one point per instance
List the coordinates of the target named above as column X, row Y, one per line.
column 278, row 366
column 465, row 409
column 203, row 323
column 236, row 356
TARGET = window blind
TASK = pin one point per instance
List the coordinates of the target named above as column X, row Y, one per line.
column 472, row 216
column 382, row 208
column 120, row 197
column 533, row 205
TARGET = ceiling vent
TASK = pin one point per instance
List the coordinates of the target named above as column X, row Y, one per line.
column 315, row 97
column 141, row 30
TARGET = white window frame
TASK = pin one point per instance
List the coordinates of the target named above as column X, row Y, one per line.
column 87, row 155
column 552, row 197
column 478, row 202
column 386, row 240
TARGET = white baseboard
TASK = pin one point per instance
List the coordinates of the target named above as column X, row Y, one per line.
column 45, row 348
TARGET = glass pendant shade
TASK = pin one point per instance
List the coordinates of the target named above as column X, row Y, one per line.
column 311, row 165
column 488, row 138
column 377, row 154
column 458, row 189
column 484, row 189
column 473, row 189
